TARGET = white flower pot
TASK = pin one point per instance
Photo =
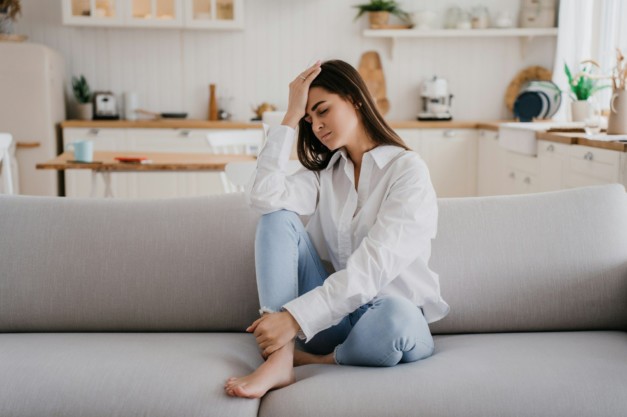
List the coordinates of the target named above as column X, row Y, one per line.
column 579, row 110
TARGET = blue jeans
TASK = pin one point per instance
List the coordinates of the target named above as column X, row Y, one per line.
column 383, row 332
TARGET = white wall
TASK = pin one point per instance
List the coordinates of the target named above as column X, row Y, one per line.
column 171, row 69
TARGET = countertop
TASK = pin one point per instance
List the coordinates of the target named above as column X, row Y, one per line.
column 572, row 138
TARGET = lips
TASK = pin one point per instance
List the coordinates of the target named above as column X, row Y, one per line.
column 325, row 136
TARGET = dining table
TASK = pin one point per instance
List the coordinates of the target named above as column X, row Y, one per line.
column 104, row 163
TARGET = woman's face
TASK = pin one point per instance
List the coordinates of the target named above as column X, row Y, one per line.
column 333, row 120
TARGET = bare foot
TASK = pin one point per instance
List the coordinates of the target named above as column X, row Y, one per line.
column 306, row 358
column 276, row 372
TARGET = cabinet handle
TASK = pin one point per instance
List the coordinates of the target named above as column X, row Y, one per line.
column 550, row 148
column 527, row 180
column 94, row 131
column 185, row 133
column 449, row 133
column 588, row 156
column 481, row 133
column 496, row 137
column 512, row 175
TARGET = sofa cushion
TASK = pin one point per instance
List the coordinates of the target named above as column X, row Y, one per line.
column 127, row 265
column 547, row 261
column 117, row 374
column 484, row 375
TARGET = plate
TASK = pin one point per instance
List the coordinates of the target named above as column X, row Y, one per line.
column 529, row 105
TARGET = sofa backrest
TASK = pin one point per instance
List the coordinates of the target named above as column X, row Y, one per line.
column 127, row 265
column 550, row 261
column 536, row 262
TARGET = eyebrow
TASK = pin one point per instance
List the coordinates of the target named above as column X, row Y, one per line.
column 315, row 106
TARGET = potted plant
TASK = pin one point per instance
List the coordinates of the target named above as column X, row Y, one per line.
column 583, row 86
column 83, row 96
column 9, row 9
column 379, row 12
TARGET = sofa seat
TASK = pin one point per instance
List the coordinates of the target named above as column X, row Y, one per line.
column 124, row 374
column 549, row 374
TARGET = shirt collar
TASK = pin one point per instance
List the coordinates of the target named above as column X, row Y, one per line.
column 382, row 155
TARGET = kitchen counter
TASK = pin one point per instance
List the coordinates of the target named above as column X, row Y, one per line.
column 206, row 124
column 571, row 138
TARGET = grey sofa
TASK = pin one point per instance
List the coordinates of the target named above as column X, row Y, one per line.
column 137, row 308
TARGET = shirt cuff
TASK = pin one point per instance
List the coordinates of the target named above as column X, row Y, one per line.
column 278, row 146
column 311, row 313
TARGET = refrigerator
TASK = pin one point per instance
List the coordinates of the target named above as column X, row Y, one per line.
column 32, row 105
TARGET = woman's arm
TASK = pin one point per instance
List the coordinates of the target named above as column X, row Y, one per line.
column 405, row 225
column 271, row 188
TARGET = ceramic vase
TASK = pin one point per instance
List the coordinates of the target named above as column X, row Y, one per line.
column 617, row 121
column 579, row 110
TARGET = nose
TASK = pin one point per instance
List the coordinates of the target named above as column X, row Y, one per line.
column 317, row 125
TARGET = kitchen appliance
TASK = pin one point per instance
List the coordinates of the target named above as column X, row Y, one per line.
column 31, row 106
column 436, row 100
column 105, row 106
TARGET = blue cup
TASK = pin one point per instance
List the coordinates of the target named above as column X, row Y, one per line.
column 83, row 150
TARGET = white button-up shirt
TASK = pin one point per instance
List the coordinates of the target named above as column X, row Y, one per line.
column 377, row 237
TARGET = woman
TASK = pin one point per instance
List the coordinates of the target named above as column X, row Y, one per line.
column 373, row 214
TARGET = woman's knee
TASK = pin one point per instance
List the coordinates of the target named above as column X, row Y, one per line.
column 279, row 220
column 403, row 319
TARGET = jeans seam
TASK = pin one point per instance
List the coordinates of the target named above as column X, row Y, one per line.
column 314, row 256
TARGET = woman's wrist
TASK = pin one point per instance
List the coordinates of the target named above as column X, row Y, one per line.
column 291, row 120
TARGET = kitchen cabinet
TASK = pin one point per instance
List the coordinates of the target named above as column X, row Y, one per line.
column 214, row 14
column 78, row 183
column 553, row 160
column 501, row 172
column 93, row 12
column 451, row 155
column 490, row 168
column 593, row 166
column 154, row 13
column 179, row 14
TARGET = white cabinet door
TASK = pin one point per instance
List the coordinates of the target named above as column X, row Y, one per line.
column 214, row 14
column 451, row 155
column 553, row 159
column 520, row 173
column 592, row 166
column 411, row 137
column 490, row 165
column 93, row 12
column 154, row 13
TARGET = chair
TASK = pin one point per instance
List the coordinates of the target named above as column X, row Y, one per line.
column 246, row 142
column 239, row 173
column 6, row 140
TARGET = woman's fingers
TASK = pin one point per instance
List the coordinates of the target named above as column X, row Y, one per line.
column 311, row 70
column 253, row 326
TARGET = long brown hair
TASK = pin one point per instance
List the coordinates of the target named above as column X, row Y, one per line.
column 338, row 77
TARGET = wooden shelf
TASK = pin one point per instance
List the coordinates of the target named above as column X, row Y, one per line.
column 525, row 34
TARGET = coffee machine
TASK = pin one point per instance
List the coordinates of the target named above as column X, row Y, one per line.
column 436, row 100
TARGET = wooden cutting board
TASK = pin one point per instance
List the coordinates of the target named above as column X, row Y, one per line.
column 371, row 71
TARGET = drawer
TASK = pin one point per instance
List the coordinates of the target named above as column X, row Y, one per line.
column 553, row 148
column 168, row 140
column 95, row 134
column 448, row 134
column 587, row 153
column 601, row 164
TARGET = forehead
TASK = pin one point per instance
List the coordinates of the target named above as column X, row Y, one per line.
column 317, row 94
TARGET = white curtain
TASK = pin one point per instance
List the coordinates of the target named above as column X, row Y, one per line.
column 588, row 29
column 574, row 41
